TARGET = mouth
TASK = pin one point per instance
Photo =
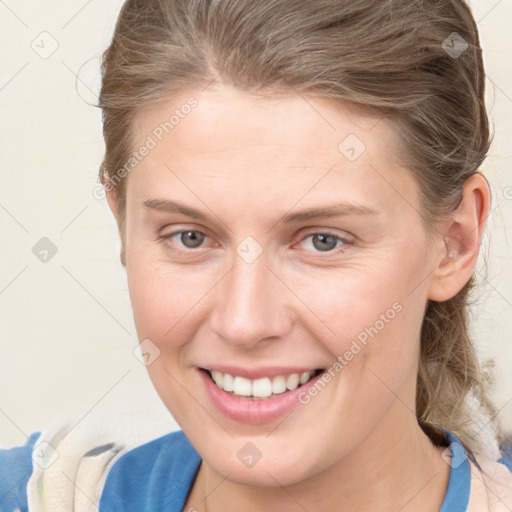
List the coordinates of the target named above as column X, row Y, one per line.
column 263, row 388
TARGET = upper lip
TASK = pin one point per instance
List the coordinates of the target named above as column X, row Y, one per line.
column 258, row 373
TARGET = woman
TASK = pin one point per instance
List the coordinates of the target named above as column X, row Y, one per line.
column 300, row 206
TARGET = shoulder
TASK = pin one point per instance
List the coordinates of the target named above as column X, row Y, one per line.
column 151, row 477
column 506, row 448
column 478, row 482
column 15, row 470
column 66, row 468
column 60, row 468
column 491, row 485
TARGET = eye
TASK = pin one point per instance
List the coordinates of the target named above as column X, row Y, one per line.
column 188, row 238
column 325, row 241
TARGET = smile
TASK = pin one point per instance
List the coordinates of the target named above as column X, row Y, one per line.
column 257, row 395
column 265, row 387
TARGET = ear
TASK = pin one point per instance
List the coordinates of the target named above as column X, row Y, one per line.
column 461, row 238
column 111, row 196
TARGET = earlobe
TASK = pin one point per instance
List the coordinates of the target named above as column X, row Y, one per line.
column 461, row 240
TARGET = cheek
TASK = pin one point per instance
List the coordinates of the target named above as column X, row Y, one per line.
column 156, row 296
column 370, row 318
column 349, row 302
column 162, row 299
column 165, row 306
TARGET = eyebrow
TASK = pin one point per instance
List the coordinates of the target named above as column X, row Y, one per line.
column 334, row 210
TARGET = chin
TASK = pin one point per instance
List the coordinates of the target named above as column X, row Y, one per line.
column 260, row 464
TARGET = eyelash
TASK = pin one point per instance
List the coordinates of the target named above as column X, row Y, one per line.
column 335, row 250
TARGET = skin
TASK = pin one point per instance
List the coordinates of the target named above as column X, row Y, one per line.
column 245, row 162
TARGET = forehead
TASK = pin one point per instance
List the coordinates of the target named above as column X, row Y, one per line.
column 278, row 145
column 233, row 118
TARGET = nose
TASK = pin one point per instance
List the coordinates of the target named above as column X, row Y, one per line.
column 251, row 305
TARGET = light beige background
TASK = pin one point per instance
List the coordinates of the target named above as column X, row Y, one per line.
column 66, row 329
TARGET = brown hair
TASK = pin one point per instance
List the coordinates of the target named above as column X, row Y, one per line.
column 404, row 60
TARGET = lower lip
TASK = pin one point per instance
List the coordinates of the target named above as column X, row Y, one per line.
column 258, row 411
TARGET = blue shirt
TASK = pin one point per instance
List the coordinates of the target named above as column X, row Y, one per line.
column 157, row 476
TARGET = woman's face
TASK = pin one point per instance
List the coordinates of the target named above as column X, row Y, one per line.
column 267, row 238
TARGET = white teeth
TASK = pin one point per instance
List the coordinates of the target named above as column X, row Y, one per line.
column 260, row 388
column 227, row 384
column 278, row 385
column 242, row 386
column 292, row 382
column 218, row 378
column 304, row 377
